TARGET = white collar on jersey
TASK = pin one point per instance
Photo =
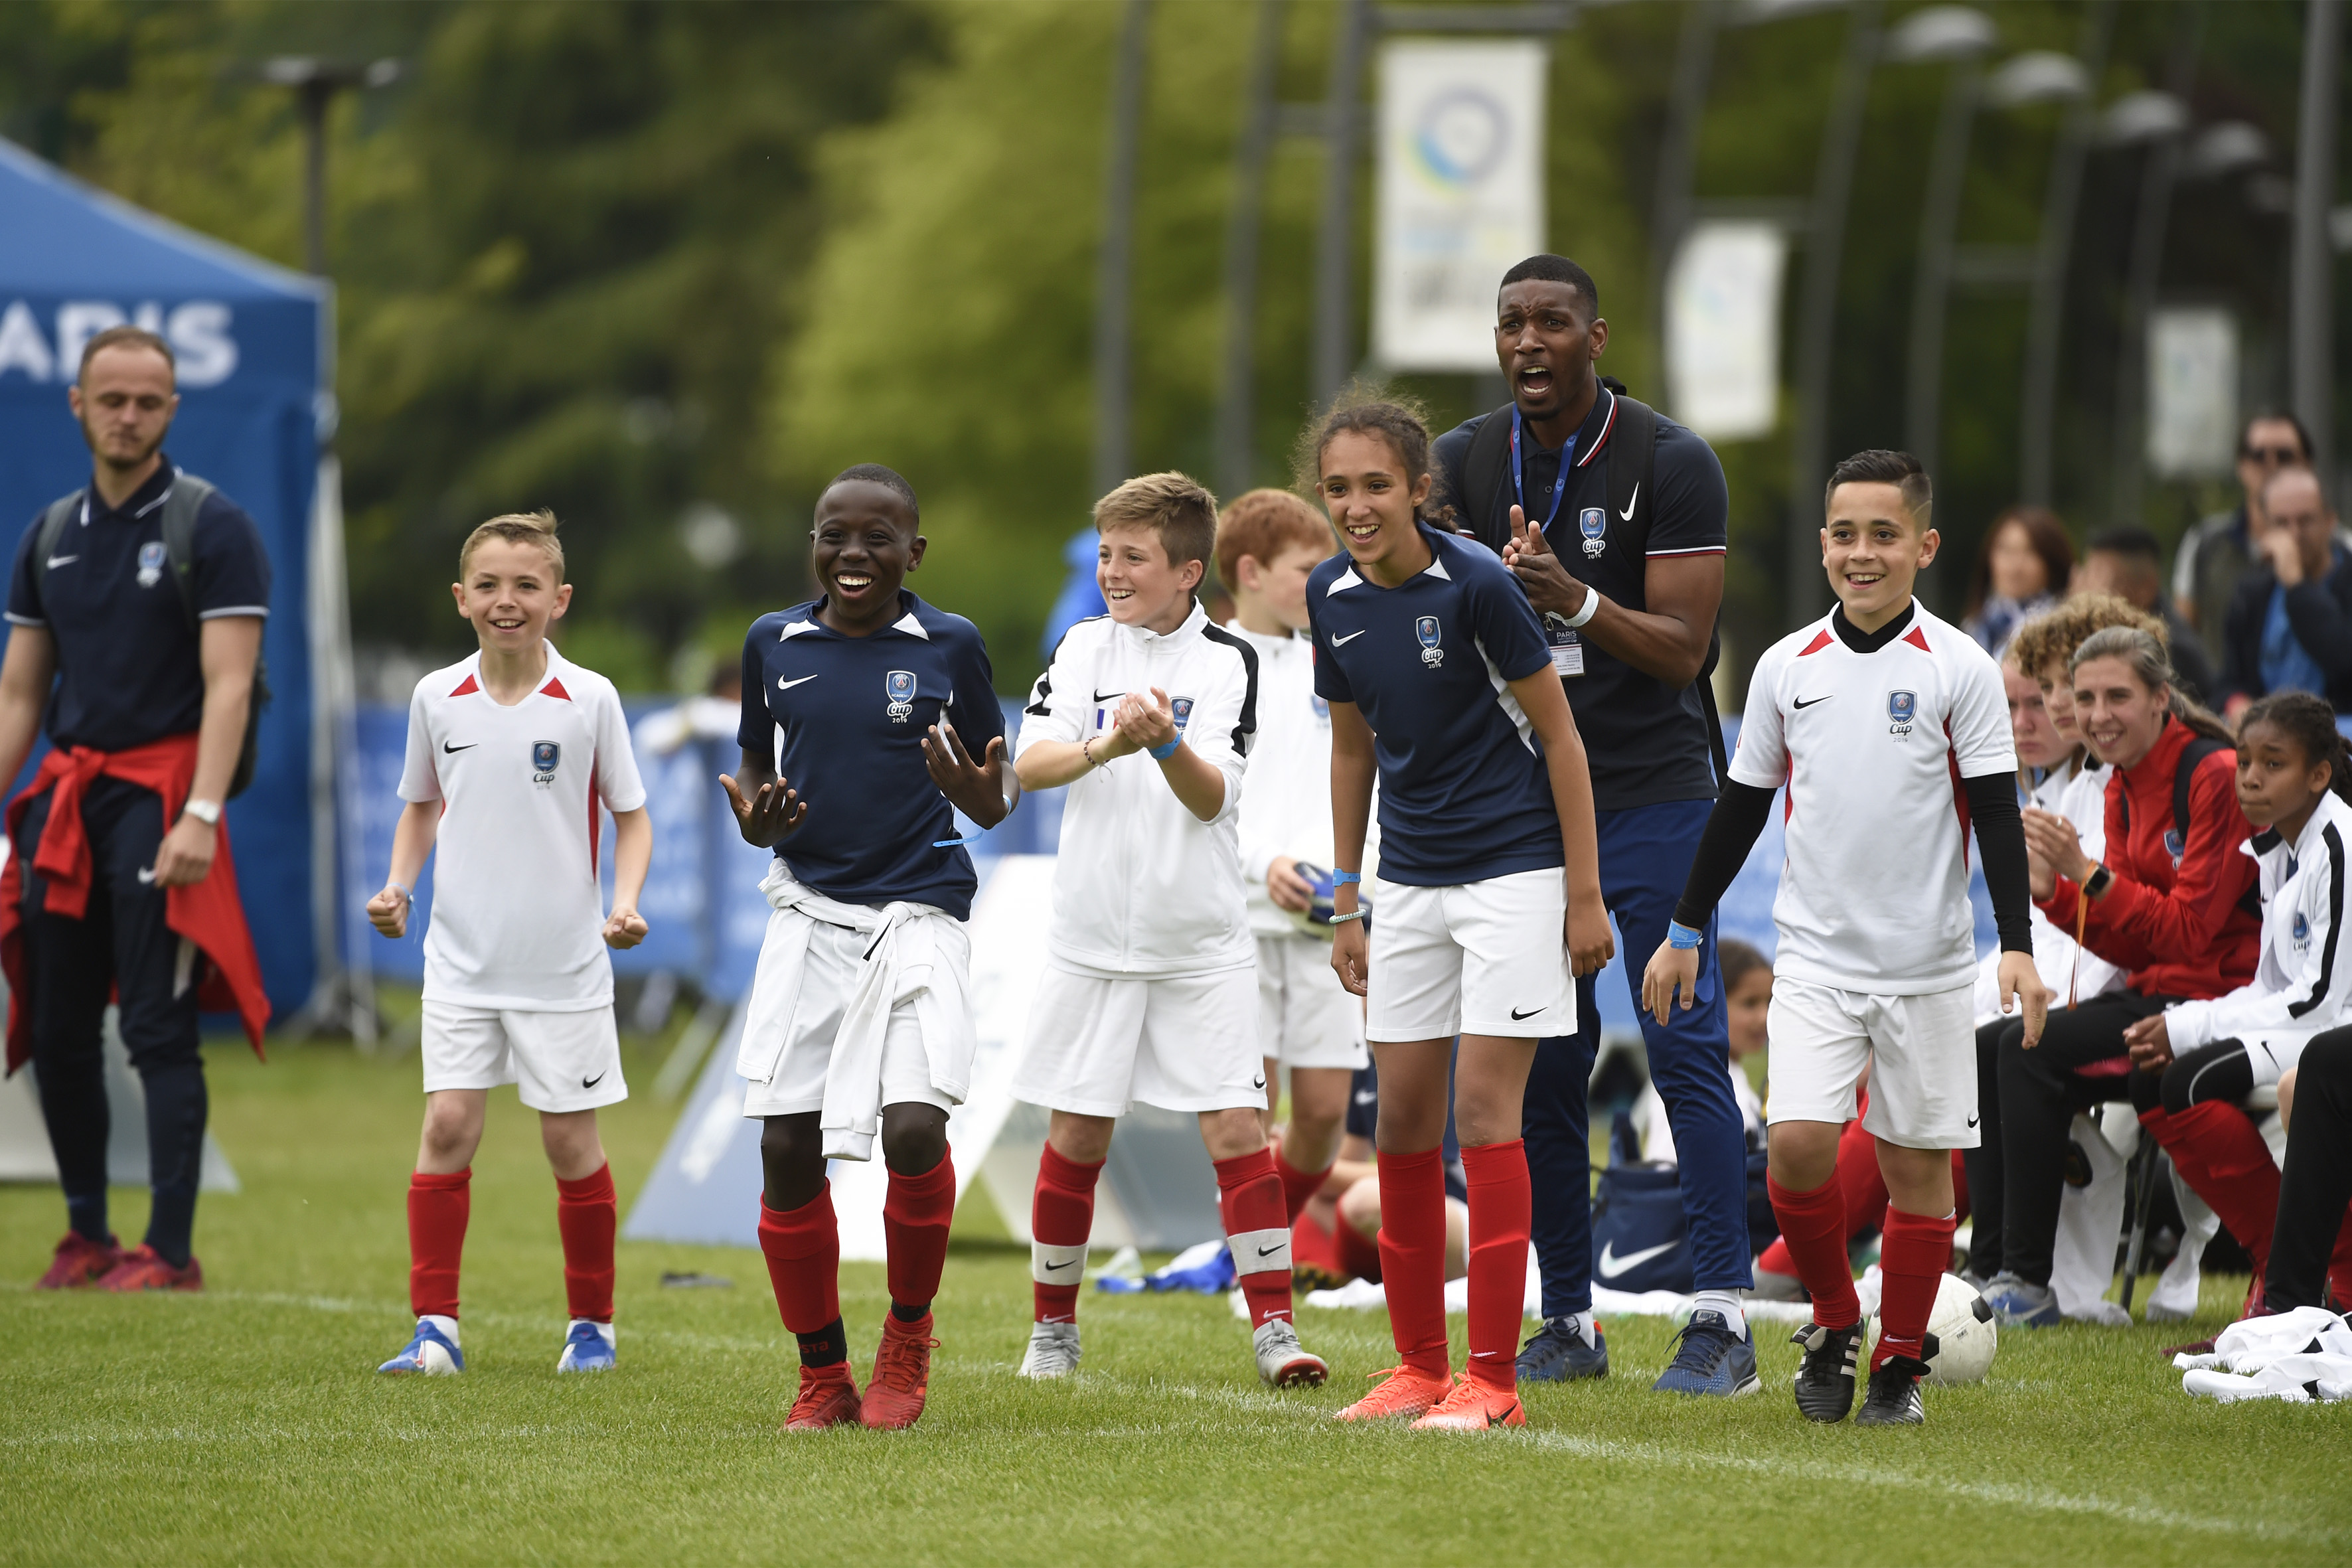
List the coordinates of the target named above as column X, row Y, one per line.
column 1347, row 579
column 905, row 623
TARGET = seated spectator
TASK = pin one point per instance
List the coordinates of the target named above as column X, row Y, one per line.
column 2024, row 565
column 2199, row 1061
column 2311, row 1247
column 1747, row 998
column 2289, row 625
column 2219, row 551
column 2169, row 906
column 2127, row 562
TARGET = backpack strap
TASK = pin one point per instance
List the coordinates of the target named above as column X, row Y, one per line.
column 53, row 532
column 2192, row 756
column 187, row 499
column 1484, row 507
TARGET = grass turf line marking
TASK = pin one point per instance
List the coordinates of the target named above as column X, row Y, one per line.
column 2002, row 1493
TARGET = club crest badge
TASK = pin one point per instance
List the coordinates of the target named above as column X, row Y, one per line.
column 1432, row 653
column 1593, row 523
column 1181, row 707
column 2176, row 846
column 2302, row 929
column 152, row 558
column 1902, row 707
column 544, row 755
column 899, row 685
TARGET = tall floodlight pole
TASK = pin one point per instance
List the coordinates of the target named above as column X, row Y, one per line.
column 1113, row 263
column 1960, row 36
column 1817, row 326
column 1236, row 449
column 2045, row 317
column 2311, row 325
column 2157, row 121
column 1334, row 244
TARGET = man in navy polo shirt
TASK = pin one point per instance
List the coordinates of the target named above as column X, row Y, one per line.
column 141, row 666
column 1627, row 571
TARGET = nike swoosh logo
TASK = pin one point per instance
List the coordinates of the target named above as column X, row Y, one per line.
column 1627, row 515
column 1258, row 1082
column 1808, row 702
column 1351, row 637
column 1071, row 1263
column 1107, row 696
column 1362, row 1098
column 466, row 747
column 1972, row 1118
column 147, row 873
column 1516, row 1014
column 593, row 1082
column 1611, row 1266
column 1269, row 1251
column 63, row 559
column 784, row 685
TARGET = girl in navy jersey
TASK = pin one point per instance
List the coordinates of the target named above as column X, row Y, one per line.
column 1440, row 679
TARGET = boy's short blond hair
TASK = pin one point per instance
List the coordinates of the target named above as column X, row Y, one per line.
column 537, row 528
column 1176, row 507
column 1264, row 524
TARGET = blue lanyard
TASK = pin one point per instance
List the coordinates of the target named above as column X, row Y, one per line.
column 1558, row 483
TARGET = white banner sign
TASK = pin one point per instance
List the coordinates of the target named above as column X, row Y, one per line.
column 1460, row 196
column 2192, row 387
column 1723, row 328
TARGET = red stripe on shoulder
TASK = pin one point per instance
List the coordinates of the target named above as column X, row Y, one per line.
column 466, row 686
column 554, row 687
column 1918, row 638
column 1820, row 641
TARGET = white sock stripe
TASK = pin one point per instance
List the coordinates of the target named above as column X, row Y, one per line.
column 1051, row 1265
column 1261, row 1251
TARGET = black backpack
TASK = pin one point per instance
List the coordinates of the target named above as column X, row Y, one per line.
column 1485, row 513
column 180, row 504
column 2184, row 775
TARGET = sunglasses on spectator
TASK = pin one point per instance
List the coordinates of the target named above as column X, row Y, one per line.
column 2272, row 456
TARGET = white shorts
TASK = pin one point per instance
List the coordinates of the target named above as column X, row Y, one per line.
column 1480, row 958
column 1305, row 1018
column 1921, row 1052
column 809, row 1019
column 1183, row 1042
column 560, row 1061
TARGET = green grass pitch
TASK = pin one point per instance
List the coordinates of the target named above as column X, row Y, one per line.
column 246, row 1425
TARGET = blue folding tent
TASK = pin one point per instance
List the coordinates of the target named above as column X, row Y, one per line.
column 254, row 342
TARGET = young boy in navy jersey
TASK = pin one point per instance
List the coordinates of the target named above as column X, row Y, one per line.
column 1440, row 681
column 1150, row 987
column 1890, row 729
column 864, row 712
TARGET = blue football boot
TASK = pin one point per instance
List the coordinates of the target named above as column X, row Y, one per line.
column 585, row 1349
column 429, row 1352
column 1557, row 1354
column 1711, row 1359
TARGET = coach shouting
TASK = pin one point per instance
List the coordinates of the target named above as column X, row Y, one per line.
column 135, row 610
column 1613, row 518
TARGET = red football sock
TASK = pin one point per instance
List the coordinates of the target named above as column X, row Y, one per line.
column 1960, row 1189
column 1412, row 1257
column 587, row 1212
column 802, row 1248
column 2225, row 1161
column 1775, row 1260
column 1298, row 1185
column 1061, row 1217
column 1859, row 1179
column 915, row 1219
column 1813, row 1224
column 1499, row 1198
column 1912, row 1257
column 1250, row 1197
column 2340, row 1266
column 438, row 1206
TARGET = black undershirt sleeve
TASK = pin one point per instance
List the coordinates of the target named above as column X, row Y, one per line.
column 2000, row 839
column 1740, row 816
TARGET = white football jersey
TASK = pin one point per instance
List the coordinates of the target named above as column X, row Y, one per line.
column 517, row 916
column 1872, row 734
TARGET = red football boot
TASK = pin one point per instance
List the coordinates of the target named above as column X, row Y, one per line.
column 828, row 1397
column 902, row 1374
column 143, row 1268
column 80, row 1261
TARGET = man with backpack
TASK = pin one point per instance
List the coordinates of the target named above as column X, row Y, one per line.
column 1614, row 519
column 135, row 610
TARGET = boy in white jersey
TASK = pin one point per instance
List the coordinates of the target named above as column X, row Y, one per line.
column 509, row 754
column 1150, row 986
column 1891, row 730
column 1267, row 542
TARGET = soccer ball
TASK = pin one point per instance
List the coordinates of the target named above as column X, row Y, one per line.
column 1961, row 1334
column 1315, row 919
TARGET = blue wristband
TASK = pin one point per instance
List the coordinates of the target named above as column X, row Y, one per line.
column 1681, row 938
column 1161, row 753
column 1341, row 879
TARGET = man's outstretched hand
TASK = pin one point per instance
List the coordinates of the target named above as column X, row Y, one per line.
column 1549, row 587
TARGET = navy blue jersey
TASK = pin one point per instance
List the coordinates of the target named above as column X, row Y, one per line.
column 847, row 716
column 1648, row 741
column 129, row 667
column 1464, row 795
